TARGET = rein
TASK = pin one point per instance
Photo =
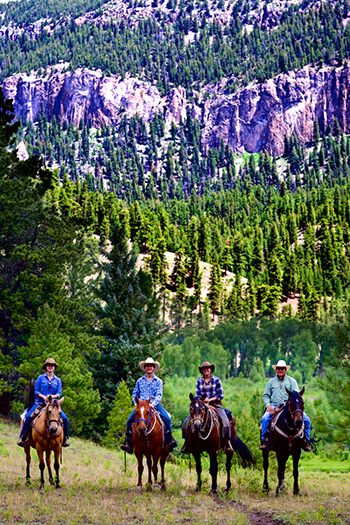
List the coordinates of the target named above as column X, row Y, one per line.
column 48, row 434
column 299, row 433
column 151, row 414
column 203, row 426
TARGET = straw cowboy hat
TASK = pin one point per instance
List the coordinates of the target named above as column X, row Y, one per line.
column 49, row 361
column 206, row 364
column 149, row 361
column 281, row 364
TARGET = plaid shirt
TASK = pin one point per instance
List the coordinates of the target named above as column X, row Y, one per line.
column 145, row 390
column 211, row 389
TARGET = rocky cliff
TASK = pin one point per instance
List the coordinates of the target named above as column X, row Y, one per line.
column 255, row 118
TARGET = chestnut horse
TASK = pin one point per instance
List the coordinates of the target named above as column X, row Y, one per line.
column 287, row 432
column 148, row 440
column 204, row 436
column 46, row 436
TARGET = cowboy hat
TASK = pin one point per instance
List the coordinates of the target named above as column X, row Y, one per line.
column 206, row 364
column 281, row 364
column 149, row 361
column 49, row 361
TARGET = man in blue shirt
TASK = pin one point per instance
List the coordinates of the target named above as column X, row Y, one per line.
column 149, row 386
column 46, row 385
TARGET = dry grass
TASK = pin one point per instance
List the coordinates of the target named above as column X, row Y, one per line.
column 95, row 490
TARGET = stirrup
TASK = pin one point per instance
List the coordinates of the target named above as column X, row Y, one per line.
column 228, row 447
column 66, row 443
column 306, row 445
column 127, row 448
column 21, row 442
column 172, row 445
column 264, row 444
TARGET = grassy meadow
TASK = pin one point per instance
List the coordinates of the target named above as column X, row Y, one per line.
column 96, row 490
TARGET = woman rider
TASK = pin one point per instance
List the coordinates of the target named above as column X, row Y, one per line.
column 209, row 387
column 46, row 385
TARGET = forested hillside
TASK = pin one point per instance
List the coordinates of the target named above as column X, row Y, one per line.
column 76, row 198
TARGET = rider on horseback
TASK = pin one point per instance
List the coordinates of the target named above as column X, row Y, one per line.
column 210, row 387
column 149, row 386
column 46, row 385
column 275, row 395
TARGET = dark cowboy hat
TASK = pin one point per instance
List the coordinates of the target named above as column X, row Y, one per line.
column 206, row 364
column 49, row 361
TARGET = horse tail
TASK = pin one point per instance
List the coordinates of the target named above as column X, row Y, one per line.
column 248, row 460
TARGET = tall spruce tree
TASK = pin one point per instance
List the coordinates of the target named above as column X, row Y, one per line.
column 128, row 314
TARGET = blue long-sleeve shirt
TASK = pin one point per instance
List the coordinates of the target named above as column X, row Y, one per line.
column 46, row 387
column 145, row 390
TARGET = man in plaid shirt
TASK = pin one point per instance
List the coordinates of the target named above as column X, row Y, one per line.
column 210, row 387
column 149, row 386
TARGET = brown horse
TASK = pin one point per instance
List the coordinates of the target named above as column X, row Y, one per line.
column 204, row 436
column 148, row 440
column 287, row 432
column 46, row 436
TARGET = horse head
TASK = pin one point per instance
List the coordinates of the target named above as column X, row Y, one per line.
column 53, row 414
column 198, row 412
column 296, row 406
column 143, row 413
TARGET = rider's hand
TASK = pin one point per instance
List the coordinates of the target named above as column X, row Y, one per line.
column 270, row 409
column 207, row 400
column 151, row 405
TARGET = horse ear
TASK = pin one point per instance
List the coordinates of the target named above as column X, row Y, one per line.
column 288, row 392
column 61, row 400
column 302, row 391
column 149, row 400
column 191, row 396
column 137, row 400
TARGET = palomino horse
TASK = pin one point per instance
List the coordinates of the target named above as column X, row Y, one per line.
column 204, row 436
column 148, row 440
column 47, row 436
column 287, row 432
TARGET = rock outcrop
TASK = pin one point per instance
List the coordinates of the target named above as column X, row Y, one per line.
column 255, row 118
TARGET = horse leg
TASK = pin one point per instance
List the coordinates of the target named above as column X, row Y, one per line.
column 27, row 451
column 197, row 459
column 229, row 456
column 41, row 465
column 149, row 465
column 214, row 472
column 140, row 469
column 162, row 464
column 296, row 457
column 57, row 466
column 266, row 468
column 281, row 460
column 48, row 463
column 155, row 469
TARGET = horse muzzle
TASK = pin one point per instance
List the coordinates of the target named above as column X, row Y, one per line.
column 53, row 429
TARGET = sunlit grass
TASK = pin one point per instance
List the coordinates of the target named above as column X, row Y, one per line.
column 96, row 490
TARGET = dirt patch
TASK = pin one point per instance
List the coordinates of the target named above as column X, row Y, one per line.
column 256, row 517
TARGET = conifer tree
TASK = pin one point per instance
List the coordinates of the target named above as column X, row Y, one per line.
column 116, row 419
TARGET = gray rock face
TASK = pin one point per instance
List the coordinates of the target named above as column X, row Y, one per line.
column 255, row 118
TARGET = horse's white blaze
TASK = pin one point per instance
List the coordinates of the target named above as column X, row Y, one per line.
column 197, row 405
column 142, row 412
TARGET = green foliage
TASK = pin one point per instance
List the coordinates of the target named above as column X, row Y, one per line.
column 116, row 419
column 48, row 339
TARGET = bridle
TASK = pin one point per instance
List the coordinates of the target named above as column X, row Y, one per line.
column 147, row 423
column 204, row 423
column 49, row 434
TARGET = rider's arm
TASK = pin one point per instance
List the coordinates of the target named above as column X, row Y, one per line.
column 156, row 399
column 198, row 390
column 267, row 394
column 219, row 393
column 59, row 389
column 38, row 388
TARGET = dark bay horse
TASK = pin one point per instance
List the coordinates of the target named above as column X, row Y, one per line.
column 46, row 436
column 148, row 440
column 204, row 436
column 287, row 432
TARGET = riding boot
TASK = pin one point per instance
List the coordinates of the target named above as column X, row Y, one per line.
column 306, row 445
column 128, row 445
column 227, row 447
column 170, row 441
column 184, row 449
column 66, row 442
column 21, row 442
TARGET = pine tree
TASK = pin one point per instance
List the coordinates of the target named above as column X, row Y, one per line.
column 116, row 419
column 128, row 321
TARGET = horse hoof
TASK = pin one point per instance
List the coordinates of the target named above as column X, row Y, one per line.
column 163, row 486
column 198, row 489
column 58, row 487
column 156, row 486
column 138, row 488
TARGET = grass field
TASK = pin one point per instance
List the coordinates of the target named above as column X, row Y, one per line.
column 95, row 490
